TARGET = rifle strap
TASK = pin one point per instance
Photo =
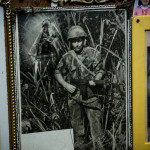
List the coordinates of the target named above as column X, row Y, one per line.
column 80, row 62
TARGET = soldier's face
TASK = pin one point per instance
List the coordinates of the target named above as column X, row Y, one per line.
column 45, row 29
column 77, row 44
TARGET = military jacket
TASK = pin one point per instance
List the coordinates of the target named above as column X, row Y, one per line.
column 71, row 68
column 88, row 66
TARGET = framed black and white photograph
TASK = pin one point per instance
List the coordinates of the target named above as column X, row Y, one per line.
column 70, row 74
column 148, row 94
column 147, row 84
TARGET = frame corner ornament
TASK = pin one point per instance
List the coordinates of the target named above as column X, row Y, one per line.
column 62, row 2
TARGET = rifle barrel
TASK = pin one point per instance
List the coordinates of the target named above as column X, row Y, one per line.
column 97, row 82
column 82, row 81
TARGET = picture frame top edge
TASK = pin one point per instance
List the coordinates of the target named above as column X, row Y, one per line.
column 66, row 8
column 55, row 9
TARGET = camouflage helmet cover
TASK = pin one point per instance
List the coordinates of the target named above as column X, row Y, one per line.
column 45, row 23
column 75, row 32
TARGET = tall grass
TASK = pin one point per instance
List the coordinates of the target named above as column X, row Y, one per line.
column 47, row 101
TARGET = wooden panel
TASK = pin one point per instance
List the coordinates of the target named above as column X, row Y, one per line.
column 28, row 3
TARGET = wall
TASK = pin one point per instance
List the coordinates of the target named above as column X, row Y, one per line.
column 4, row 131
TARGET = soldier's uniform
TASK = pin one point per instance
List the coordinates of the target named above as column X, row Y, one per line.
column 70, row 68
column 46, row 50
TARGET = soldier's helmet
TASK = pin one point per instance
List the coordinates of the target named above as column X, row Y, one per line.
column 75, row 32
column 45, row 23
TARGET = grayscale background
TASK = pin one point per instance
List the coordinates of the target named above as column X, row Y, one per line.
column 43, row 102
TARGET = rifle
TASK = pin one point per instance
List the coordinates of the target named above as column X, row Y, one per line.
column 82, row 85
column 86, row 82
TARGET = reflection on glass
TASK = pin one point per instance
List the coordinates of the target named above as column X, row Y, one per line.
column 148, row 91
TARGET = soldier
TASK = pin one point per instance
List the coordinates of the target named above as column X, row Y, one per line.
column 77, row 71
column 45, row 40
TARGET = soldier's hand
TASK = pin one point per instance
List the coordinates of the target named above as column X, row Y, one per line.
column 70, row 88
column 92, row 83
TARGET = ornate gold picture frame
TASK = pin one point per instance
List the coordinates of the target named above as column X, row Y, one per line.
column 43, row 91
column 10, row 71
